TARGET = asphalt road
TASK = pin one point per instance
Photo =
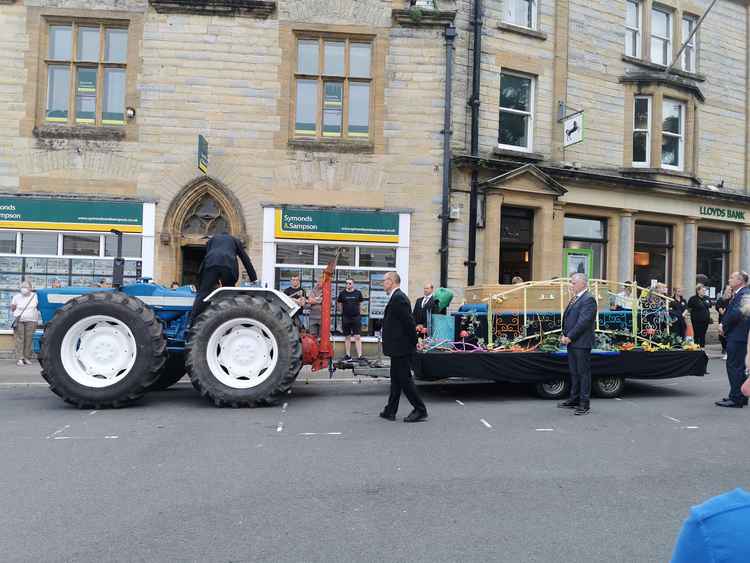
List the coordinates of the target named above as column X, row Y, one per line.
column 495, row 475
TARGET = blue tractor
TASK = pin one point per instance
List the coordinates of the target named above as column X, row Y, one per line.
column 108, row 347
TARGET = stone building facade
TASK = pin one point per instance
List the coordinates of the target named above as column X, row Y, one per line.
column 324, row 124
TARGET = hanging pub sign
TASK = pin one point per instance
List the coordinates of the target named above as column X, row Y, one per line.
column 359, row 226
column 70, row 214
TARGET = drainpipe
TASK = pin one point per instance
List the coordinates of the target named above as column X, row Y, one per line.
column 474, row 102
column 450, row 35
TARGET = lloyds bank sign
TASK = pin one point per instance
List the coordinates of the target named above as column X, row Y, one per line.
column 722, row 213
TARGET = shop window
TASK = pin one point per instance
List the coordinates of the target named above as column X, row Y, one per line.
column 652, row 258
column 633, row 26
column 333, row 88
column 39, row 243
column 642, row 131
column 366, row 265
column 377, row 257
column 521, row 13
column 295, row 254
column 328, row 253
column 713, row 259
column 85, row 74
column 131, row 246
column 673, row 134
column 588, row 234
column 689, row 55
column 81, row 245
column 516, row 112
column 8, row 240
column 661, row 36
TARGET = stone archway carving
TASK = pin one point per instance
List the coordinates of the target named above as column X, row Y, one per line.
column 202, row 208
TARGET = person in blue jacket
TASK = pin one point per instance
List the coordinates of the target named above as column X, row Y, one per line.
column 735, row 326
column 717, row 530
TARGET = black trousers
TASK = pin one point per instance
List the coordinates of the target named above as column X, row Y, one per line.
column 700, row 328
column 736, row 368
column 401, row 380
column 210, row 278
column 579, row 363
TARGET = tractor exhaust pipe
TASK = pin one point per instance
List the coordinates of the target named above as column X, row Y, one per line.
column 118, row 265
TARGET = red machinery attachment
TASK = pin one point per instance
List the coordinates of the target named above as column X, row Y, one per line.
column 318, row 352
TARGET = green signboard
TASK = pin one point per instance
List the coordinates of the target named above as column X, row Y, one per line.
column 70, row 214
column 202, row 154
column 722, row 213
column 336, row 225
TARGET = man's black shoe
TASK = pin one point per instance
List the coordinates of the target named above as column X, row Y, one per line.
column 416, row 416
column 385, row 415
column 729, row 404
column 567, row 404
column 581, row 410
column 744, row 400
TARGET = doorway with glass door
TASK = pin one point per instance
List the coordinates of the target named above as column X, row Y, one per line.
column 516, row 244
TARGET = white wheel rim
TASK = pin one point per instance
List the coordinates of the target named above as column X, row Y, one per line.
column 242, row 353
column 98, row 351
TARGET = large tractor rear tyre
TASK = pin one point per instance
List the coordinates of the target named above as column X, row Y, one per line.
column 243, row 351
column 172, row 371
column 102, row 349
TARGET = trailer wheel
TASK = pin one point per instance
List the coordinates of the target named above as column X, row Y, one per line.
column 608, row 387
column 243, row 351
column 171, row 373
column 556, row 389
column 102, row 349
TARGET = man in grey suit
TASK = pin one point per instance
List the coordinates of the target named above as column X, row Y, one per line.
column 578, row 324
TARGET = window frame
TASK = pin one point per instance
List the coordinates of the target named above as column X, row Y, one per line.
column 680, row 136
column 530, row 114
column 321, row 78
column 667, row 246
column 668, row 39
column 637, row 31
column 73, row 65
column 531, row 14
column 692, row 46
column 604, row 240
column 649, row 100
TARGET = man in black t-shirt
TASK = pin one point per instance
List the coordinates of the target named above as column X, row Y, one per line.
column 349, row 300
column 297, row 292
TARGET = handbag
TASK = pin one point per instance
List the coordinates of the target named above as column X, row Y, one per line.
column 14, row 324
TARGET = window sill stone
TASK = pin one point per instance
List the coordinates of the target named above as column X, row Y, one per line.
column 521, row 155
column 636, row 170
column 257, row 8
column 535, row 34
column 80, row 133
column 661, row 68
column 339, row 146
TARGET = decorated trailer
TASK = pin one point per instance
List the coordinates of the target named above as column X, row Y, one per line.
column 512, row 334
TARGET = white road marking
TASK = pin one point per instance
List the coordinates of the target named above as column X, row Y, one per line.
column 320, row 434
column 459, row 402
column 283, row 408
column 56, row 432
column 691, row 427
column 84, row 437
column 487, row 424
column 671, row 418
column 93, row 412
column 545, row 429
column 280, row 427
column 111, row 437
column 618, row 399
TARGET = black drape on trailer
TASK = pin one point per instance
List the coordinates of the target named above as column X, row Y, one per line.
column 539, row 367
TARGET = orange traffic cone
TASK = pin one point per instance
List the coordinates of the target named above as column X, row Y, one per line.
column 689, row 334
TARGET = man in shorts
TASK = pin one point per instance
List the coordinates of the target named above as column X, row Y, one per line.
column 349, row 300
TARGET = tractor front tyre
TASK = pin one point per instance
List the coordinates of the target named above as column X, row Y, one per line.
column 102, row 349
column 243, row 351
column 172, row 371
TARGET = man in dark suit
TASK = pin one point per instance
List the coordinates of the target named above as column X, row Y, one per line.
column 399, row 342
column 734, row 327
column 425, row 306
column 219, row 267
column 578, row 324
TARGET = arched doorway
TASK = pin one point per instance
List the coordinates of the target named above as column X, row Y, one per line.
column 201, row 210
